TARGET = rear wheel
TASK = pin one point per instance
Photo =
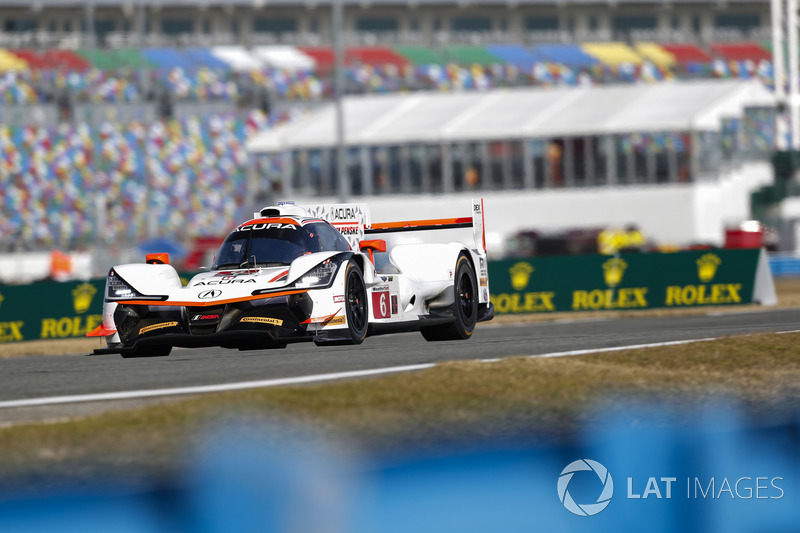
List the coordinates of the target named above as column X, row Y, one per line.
column 356, row 307
column 465, row 307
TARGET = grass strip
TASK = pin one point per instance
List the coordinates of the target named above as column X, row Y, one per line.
column 533, row 399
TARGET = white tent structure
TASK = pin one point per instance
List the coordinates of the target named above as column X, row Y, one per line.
column 520, row 113
column 545, row 158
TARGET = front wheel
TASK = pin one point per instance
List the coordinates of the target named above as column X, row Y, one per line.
column 465, row 307
column 356, row 307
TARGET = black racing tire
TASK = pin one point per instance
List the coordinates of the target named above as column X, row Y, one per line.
column 465, row 307
column 147, row 351
column 355, row 301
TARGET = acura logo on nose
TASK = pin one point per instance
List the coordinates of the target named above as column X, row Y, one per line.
column 208, row 295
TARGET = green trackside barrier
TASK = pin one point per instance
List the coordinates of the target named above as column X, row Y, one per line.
column 50, row 309
column 53, row 310
column 631, row 281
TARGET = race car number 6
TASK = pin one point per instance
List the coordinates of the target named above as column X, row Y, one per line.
column 380, row 304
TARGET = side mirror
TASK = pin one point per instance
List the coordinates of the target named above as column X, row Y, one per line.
column 157, row 259
column 377, row 245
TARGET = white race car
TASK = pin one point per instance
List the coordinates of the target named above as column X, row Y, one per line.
column 321, row 273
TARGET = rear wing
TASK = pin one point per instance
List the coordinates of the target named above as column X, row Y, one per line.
column 468, row 229
column 354, row 222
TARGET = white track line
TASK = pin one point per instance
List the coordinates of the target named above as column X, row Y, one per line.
column 201, row 389
column 226, row 387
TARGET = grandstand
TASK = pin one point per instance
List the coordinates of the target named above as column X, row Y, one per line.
column 141, row 22
column 118, row 123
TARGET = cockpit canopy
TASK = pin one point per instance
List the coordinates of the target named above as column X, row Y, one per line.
column 265, row 243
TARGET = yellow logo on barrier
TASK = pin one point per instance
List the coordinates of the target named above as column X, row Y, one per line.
column 613, row 270
column 707, row 267
column 520, row 275
column 82, row 297
column 1, row 299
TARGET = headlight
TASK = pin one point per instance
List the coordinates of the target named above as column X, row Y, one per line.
column 320, row 275
column 117, row 288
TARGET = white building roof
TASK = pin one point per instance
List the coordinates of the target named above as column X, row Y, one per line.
column 520, row 113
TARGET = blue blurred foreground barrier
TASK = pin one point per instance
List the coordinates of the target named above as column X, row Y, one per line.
column 784, row 265
column 629, row 472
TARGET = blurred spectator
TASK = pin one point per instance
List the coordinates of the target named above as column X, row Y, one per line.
column 182, row 177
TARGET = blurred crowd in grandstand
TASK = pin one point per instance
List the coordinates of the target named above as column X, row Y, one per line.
column 74, row 183
column 303, row 73
column 184, row 177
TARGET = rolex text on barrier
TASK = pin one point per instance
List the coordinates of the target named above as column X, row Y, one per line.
column 50, row 310
column 631, row 281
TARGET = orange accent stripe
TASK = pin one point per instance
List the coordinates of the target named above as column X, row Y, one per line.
column 414, row 223
column 321, row 320
column 279, row 276
column 100, row 331
column 211, row 302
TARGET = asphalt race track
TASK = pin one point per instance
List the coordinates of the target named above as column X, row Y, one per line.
column 49, row 376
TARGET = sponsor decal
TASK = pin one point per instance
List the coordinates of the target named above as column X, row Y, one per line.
column 450, row 273
column 476, row 208
column 59, row 328
column 702, row 294
column 343, row 213
column 264, row 225
column 335, row 321
column 196, row 318
column 338, row 298
column 157, row 326
column 380, row 288
column 263, row 320
column 224, row 282
column 347, row 229
column 394, row 304
column 380, row 304
column 209, row 295
column 82, row 297
column 12, row 331
column 483, row 281
column 520, row 275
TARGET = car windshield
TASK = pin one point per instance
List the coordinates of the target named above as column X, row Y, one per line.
column 274, row 245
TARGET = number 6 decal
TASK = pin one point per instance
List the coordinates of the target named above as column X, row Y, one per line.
column 380, row 304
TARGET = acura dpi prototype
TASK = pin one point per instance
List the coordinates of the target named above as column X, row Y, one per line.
column 321, row 273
